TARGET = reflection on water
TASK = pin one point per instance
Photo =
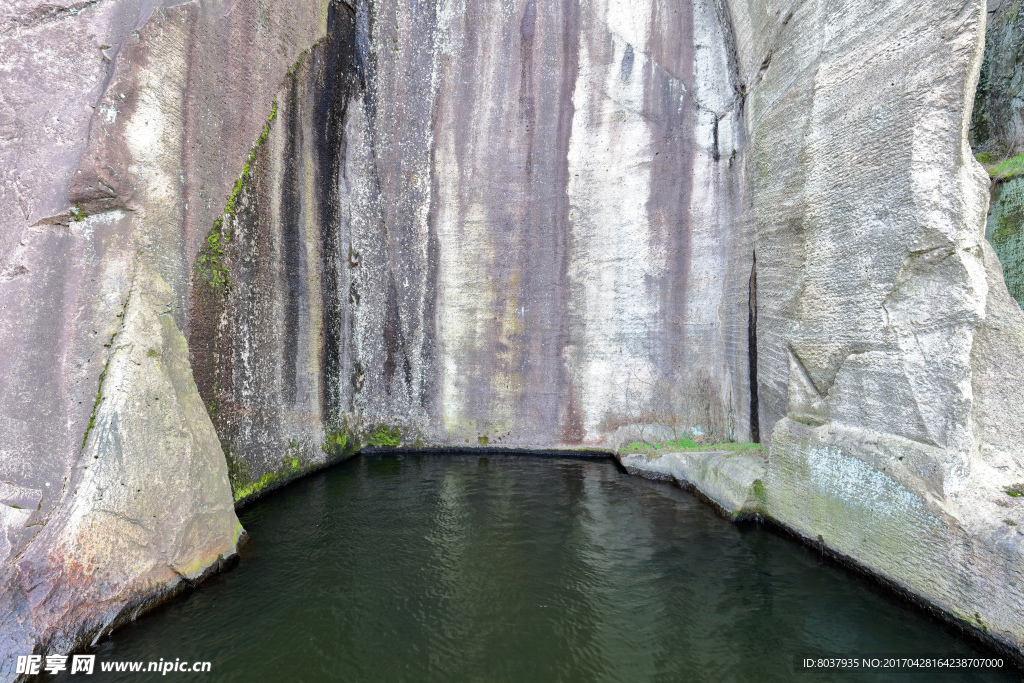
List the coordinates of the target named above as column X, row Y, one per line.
column 510, row 568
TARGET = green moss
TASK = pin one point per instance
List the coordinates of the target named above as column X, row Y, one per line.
column 95, row 406
column 385, row 437
column 1003, row 169
column 152, row 353
column 1011, row 14
column 266, row 131
column 483, row 440
column 690, row 444
column 210, row 265
column 77, row 213
column 238, row 469
column 230, row 207
column 339, row 443
column 291, row 464
column 256, row 486
column 1008, row 224
column 1010, row 168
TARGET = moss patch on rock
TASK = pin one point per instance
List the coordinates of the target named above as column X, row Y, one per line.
column 340, row 443
column 211, row 266
column 384, row 436
column 691, row 444
column 291, row 464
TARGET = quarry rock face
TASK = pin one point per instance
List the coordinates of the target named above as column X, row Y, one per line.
column 242, row 238
column 883, row 316
column 1004, row 230
column 464, row 226
column 122, row 127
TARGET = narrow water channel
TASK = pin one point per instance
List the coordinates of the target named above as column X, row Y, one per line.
column 511, row 568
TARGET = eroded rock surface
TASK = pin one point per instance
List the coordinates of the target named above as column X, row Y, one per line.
column 122, row 127
column 882, row 316
column 539, row 224
column 731, row 481
column 514, row 227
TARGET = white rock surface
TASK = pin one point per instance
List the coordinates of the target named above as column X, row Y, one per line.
column 730, row 481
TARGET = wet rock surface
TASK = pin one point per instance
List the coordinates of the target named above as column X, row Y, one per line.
column 528, row 246
column 997, row 124
column 534, row 225
column 732, row 482
column 124, row 125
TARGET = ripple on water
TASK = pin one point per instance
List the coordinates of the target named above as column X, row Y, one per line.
column 512, row 568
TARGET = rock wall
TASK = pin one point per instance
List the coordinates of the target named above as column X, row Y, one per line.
column 888, row 346
column 516, row 227
column 997, row 135
column 997, row 124
column 1004, row 229
column 271, row 297
column 123, row 126
column 557, row 250
column 527, row 224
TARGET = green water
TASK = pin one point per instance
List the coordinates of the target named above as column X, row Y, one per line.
column 511, row 568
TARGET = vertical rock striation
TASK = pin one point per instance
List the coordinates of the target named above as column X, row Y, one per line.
column 888, row 347
column 528, row 223
column 535, row 223
column 124, row 125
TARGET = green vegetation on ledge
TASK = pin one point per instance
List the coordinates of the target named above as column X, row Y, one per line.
column 229, row 208
column 211, row 264
column 692, row 444
column 1001, row 169
column 103, row 376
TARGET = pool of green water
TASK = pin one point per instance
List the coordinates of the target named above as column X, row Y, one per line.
column 515, row 568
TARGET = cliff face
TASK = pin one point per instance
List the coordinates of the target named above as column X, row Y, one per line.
column 475, row 226
column 123, row 124
column 533, row 224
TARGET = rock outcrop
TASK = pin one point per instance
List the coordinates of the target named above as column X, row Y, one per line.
column 532, row 225
column 122, row 127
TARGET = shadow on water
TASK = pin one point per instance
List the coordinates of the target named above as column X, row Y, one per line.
column 500, row 567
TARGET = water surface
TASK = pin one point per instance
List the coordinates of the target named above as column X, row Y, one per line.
column 512, row 568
